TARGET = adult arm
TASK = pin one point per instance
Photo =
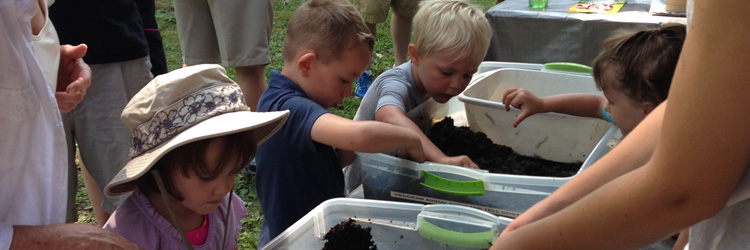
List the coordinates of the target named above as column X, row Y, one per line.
column 698, row 161
column 578, row 104
column 366, row 136
column 633, row 152
column 394, row 115
column 67, row 236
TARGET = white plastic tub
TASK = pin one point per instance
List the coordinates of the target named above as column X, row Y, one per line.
column 551, row 136
column 396, row 225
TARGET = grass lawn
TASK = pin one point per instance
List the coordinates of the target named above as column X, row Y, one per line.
column 283, row 9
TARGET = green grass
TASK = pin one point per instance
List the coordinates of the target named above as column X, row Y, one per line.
column 283, row 9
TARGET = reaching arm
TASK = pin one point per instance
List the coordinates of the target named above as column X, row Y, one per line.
column 394, row 115
column 586, row 105
column 700, row 156
column 366, row 136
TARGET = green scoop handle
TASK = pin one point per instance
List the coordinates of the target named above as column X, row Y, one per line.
column 462, row 188
column 470, row 240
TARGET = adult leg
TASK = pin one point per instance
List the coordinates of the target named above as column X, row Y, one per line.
column 373, row 27
column 252, row 81
column 95, row 196
column 401, row 26
column 401, row 35
column 243, row 42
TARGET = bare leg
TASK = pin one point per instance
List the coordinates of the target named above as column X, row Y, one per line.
column 252, row 81
column 401, row 34
column 95, row 196
column 373, row 31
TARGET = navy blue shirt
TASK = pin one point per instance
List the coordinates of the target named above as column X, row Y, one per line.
column 294, row 173
column 112, row 29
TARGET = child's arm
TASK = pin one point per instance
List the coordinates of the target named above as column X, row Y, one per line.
column 394, row 115
column 366, row 136
column 586, row 105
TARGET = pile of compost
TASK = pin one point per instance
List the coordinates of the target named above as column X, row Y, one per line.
column 349, row 235
column 499, row 159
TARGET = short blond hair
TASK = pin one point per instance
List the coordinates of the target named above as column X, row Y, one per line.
column 451, row 26
column 328, row 27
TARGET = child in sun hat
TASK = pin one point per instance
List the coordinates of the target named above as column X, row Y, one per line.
column 191, row 133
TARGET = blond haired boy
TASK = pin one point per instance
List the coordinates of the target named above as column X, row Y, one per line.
column 450, row 40
column 326, row 47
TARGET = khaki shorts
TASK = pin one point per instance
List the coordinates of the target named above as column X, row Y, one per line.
column 376, row 11
column 234, row 33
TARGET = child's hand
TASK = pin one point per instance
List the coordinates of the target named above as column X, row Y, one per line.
column 522, row 99
column 413, row 154
column 460, row 160
column 73, row 77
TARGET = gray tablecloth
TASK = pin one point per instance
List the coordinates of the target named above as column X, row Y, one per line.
column 553, row 35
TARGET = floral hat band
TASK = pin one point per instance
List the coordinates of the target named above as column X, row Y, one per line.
column 183, row 114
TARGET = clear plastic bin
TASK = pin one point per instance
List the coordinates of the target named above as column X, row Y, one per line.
column 553, row 137
column 396, row 225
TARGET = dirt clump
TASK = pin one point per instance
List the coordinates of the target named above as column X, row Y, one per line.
column 349, row 235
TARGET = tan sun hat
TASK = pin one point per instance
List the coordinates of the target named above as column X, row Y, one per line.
column 183, row 106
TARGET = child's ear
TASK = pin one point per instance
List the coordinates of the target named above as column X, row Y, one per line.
column 413, row 55
column 647, row 108
column 304, row 63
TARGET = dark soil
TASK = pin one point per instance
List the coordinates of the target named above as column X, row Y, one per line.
column 349, row 235
column 454, row 141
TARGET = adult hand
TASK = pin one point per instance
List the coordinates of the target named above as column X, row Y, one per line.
column 68, row 236
column 461, row 160
column 73, row 77
column 522, row 99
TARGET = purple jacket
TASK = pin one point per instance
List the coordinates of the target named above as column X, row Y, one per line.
column 137, row 221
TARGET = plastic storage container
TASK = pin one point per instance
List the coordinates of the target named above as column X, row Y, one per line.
column 396, row 225
column 389, row 178
column 551, row 136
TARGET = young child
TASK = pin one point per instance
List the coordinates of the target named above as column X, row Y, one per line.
column 634, row 71
column 191, row 133
column 326, row 47
column 450, row 41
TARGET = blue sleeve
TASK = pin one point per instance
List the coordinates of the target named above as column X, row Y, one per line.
column 606, row 115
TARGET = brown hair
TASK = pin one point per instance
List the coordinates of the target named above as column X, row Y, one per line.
column 641, row 63
column 327, row 27
column 192, row 157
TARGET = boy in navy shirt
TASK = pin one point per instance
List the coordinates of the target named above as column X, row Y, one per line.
column 327, row 46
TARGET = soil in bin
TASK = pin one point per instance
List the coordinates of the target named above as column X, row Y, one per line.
column 499, row 159
column 349, row 235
